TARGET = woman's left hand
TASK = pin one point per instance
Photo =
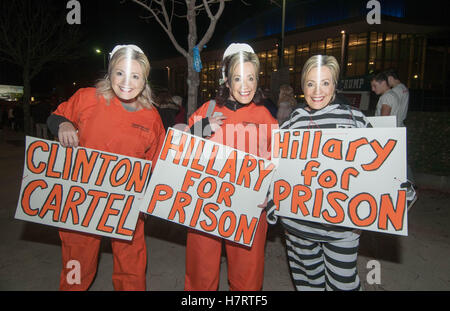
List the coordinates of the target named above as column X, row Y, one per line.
column 216, row 122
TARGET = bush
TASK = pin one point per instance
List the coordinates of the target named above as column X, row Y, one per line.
column 428, row 142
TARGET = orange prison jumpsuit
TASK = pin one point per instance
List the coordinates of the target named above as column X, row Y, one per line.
column 203, row 251
column 110, row 128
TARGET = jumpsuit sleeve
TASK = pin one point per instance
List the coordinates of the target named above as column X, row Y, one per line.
column 273, row 125
column 199, row 124
column 53, row 122
column 271, row 207
column 159, row 134
column 364, row 121
column 70, row 109
column 198, row 115
column 66, row 112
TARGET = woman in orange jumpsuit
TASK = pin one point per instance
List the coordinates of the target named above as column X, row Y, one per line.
column 237, row 110
column 116, row 116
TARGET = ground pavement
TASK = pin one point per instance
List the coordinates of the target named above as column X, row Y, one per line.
column 30, row 257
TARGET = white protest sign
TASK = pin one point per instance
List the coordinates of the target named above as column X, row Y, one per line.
column 208, row 186
column 383, row 121
column 346, row 177
column 81, row 189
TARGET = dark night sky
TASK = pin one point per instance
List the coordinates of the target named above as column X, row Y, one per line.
column 105, row 23
column 120, row 22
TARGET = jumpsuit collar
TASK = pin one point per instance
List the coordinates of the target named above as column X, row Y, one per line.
column 233, row 105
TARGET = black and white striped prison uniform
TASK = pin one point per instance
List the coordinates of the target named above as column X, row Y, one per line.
column 321, row 256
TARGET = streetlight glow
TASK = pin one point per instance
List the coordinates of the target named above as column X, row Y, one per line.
column 98, row 51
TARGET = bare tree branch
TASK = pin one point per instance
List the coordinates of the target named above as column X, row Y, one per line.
column 42, row 35
column 163, row 13
column 275, row 2
column 212, row 24
column 166, row 27
column 33, row 34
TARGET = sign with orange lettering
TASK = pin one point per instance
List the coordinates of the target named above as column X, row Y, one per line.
column 208, row 186
column 81, row 189
column 345, row 177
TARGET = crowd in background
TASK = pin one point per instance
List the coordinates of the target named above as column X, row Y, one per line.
column 12, row 116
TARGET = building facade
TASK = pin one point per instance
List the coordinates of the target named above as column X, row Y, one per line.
column 418, row 52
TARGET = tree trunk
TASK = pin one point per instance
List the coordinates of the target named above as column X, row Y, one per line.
column 27, row 124
column 193, row 82
column 193, row 77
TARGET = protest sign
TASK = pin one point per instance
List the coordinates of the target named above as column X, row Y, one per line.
column 346, row 177
column 383, row 121
column 81, row 189
column 208, row 186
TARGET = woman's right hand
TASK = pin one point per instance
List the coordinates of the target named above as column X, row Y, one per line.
column 67, row 135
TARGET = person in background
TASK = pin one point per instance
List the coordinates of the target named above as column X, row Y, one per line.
column 168, row 109
column 268, row 103
column 286, row 103
column 237, row 105
column 2, row 121
column 181, row 116
column 321, row 256
column 401, row 113
column 11, row 118
column 18, row 116
column 40, row 113
column 116, row 116
column 389, row 102
column 403, row 94
column 178, row 101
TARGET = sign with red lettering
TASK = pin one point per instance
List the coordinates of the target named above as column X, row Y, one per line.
column 345, row 177
column 208, row 186
column 81, row 189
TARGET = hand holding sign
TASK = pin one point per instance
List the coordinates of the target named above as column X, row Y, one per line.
column 216, row 121
column 81, row 189
column 264, row 204
column 346, row 177
column 67, row 135
column 196, row 182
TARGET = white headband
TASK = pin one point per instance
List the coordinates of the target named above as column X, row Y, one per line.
column 237, row 47
column 131, row 46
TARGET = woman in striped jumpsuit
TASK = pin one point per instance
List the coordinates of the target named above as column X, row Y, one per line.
column 321, row 257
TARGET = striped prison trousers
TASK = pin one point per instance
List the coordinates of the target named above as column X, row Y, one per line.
column 323, row 265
